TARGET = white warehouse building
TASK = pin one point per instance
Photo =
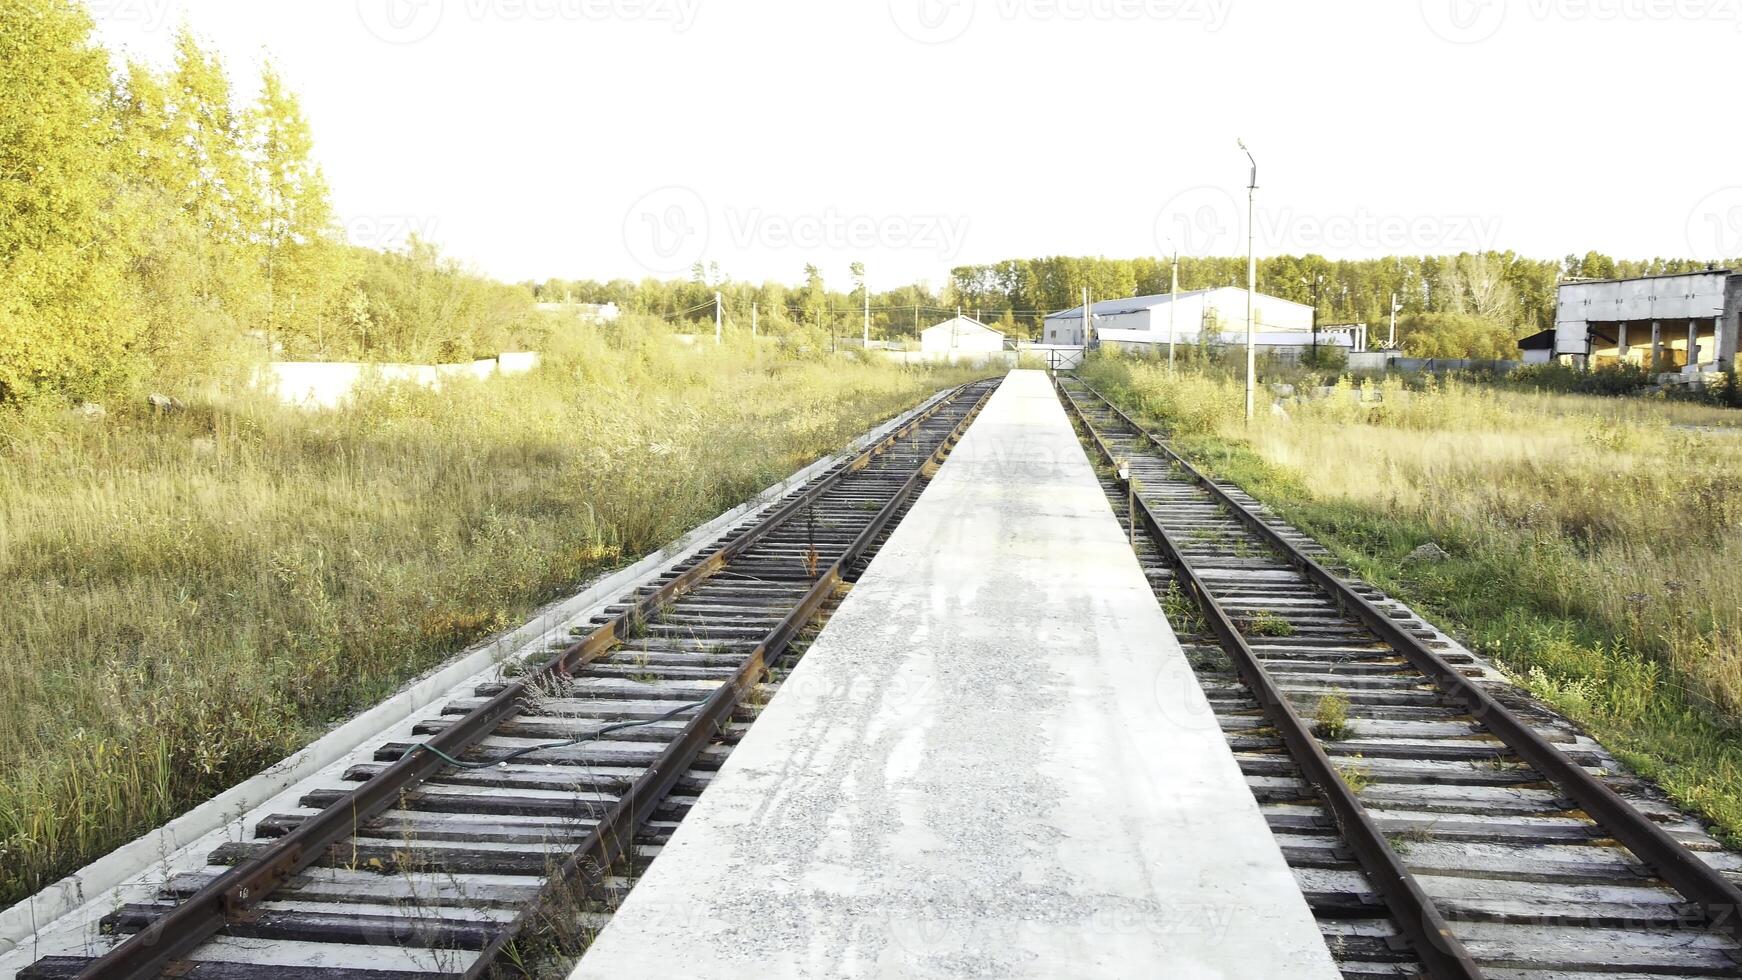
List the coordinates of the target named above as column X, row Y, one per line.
column 1218, row 313
column 960, row 335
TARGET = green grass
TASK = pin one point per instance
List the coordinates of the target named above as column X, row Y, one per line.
column 1266, row 623
column 185, row 599
column 1593, row 542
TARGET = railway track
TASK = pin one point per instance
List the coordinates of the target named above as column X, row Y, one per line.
column 528, row 810
column 1448, row 825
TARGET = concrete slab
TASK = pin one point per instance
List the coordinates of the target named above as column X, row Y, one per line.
column 64, row 918
column 994, row 762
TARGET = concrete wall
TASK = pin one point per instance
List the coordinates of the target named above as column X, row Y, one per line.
column 1580, row 305
column 1414, row 364
column 1375, row 360
column 1730, row 324
column 1056, row 357
column 1392, row 361
column 1001, row 357
column 328, row 384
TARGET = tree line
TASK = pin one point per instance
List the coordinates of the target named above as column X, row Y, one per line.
column 154, row 229
column 1466, row 305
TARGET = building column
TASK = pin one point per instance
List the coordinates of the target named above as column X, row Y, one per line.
column 1724, row 341
column 1621, row 341
column 1656, row 346
column 1693, row 342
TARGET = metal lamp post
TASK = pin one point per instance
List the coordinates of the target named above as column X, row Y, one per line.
column 1251, row 283
column 1173, row 310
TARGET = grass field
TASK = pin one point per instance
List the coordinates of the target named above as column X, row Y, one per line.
column 1596, row 543
column 184, row 599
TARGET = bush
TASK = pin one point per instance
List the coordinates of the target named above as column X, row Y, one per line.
column 1325, row 357
column 1612, row 379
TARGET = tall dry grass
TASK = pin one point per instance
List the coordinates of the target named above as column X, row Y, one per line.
column 186, row 598
column 1595, row 541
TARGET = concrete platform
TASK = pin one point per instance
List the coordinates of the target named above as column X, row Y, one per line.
column 994, row 762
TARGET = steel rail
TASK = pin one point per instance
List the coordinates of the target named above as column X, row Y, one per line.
column 584, row 870
column 233, row 895
column 1698, row 881
column 1430, row 935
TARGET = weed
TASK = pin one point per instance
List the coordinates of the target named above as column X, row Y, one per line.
column 1355, row 774
column 1403, row 841
column 1266, row 623
column 1181, row 612
column 1331, row 717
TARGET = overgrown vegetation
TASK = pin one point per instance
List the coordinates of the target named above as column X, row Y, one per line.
column 185, row 598
column 1593, row 542
column 155, row 229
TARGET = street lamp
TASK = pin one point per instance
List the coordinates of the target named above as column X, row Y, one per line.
column 1173, row 309
column 1318, row 285
column 1251, row 282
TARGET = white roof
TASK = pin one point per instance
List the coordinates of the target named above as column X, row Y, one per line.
column 1262, row 338
column 1132, row 304
column 962, row 324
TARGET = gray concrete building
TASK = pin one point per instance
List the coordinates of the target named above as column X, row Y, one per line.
column 1686, row 321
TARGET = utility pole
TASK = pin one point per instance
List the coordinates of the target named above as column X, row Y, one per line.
column 1391, row 338
column 1251, row 283
column 1086, row 316
column 1318, row 284
column 716, row 317
column 865, row 340
column 1173, row 310
column 752, row 319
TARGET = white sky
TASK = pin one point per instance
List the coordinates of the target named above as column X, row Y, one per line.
column 603, row 138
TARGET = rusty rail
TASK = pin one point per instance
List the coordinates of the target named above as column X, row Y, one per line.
column 235, row 894
column 1699, row 882
column 1431, row 938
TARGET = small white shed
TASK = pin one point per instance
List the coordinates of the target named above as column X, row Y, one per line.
column 960, row 334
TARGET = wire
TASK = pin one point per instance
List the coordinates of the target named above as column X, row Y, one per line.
column 588, row 737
